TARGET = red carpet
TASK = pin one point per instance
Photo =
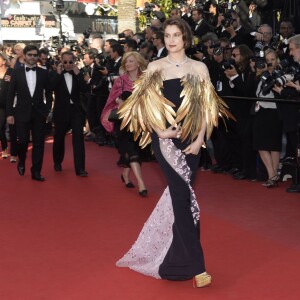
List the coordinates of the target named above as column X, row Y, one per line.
column 59, row 240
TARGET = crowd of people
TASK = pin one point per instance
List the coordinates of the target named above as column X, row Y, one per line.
column 84, row 82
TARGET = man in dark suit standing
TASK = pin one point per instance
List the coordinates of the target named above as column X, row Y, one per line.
column 159, row 44
column 97, row 94
column 28, row 105
column 201, row 27
column 67, row 83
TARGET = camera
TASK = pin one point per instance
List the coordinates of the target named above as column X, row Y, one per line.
column 260, row 62
column 147, row 9
column 227, row 64
column 280, row 76
column 227, row 21
column 291, row 73
column 200, row 48
column 87, row 32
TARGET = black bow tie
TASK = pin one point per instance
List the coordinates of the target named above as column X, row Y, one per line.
column 30, row 69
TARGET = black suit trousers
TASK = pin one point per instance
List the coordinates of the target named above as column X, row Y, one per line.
column 37, row 125
column 74, row 122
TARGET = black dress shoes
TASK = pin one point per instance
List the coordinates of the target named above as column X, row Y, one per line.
column 239, row 176
column 37, row 177
column 129, row 184
column 57, row 167
column 143, row 193
column 232, row 171
column 293, row 189
column 82, row 173
column 21, row 168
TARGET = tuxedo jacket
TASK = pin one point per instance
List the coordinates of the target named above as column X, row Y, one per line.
column 242, row 36
column 98, row 83
column 63, row 98
column 163, row 53
column 202, row 29
column 19, row 100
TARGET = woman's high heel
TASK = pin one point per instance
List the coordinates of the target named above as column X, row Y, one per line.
column 272, row 182
column 129, row 185
column 202, row 280
column 143, row 193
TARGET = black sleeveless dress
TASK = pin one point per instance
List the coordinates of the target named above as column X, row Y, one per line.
column 168, row 246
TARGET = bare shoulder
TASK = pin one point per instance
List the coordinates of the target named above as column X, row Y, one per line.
column 200, row 69
column 157, row 65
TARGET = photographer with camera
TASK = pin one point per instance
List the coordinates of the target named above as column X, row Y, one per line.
column 267, row 125
column 237, row 70
column 264, row 38
column 220, row 137
column 291, row 112
column 229, row 26
column 96, row 96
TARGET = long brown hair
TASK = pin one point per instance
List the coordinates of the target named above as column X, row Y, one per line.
column 185, row 29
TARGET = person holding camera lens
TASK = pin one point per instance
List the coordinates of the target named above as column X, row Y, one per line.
column 263, row 38
column 267, row 124
column 229, row 26
column 96, row 96
column 237, row 70
column 220, row 137
column 291, row 112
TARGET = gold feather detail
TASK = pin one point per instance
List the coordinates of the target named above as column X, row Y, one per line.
column 201, row 100
column 147, row 108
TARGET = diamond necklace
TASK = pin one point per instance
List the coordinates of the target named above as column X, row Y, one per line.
column 177, row 64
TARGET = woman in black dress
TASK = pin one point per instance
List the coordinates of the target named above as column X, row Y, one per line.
column 267, row 124
column 132, row 65
column 173, row 105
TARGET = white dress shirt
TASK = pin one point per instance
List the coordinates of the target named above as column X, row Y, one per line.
column 31, row 80
column 69, row 82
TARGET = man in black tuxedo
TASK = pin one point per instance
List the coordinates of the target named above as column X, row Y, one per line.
column 67, row 83
column 28, row 105
column 159, row 44
column 201, row 27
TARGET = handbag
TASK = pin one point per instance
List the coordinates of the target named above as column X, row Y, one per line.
column 113, row 116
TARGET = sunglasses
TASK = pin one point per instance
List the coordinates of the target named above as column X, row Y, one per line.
column 70, row 62
column 235, row 54
column 32, row 55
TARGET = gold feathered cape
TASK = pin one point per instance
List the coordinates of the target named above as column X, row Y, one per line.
column 147, row 108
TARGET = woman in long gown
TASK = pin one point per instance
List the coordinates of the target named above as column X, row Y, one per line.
column 173, row 105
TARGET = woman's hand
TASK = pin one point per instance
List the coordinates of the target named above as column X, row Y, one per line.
column 277, row 89
column 170, row 133
column 294, row 85
column 194, row 147
column 7, row 78
column 119, row 101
